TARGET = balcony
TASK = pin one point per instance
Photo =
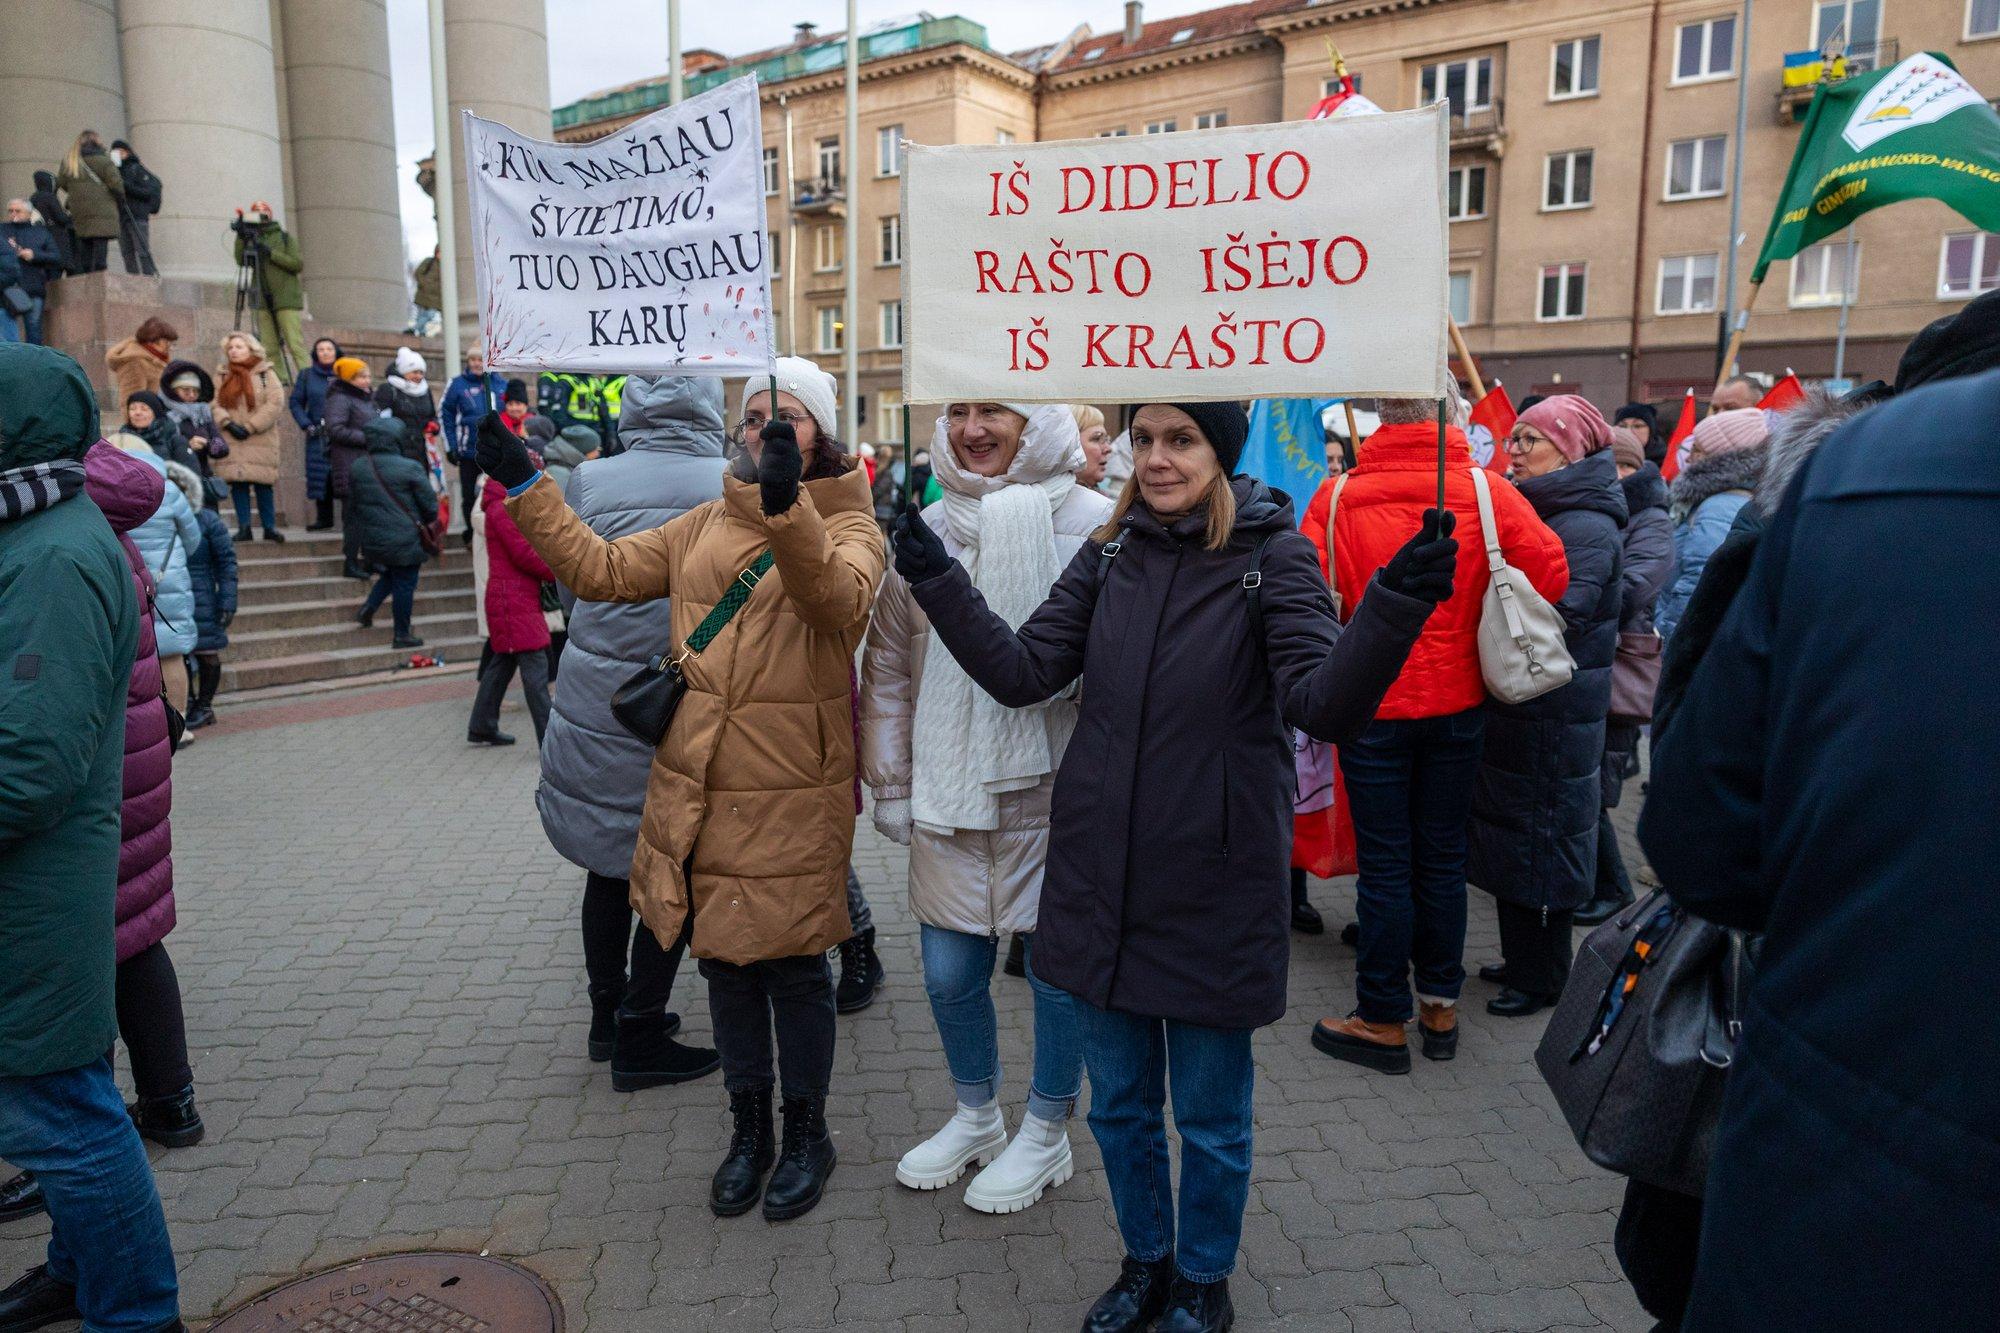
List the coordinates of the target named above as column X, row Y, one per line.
column 1810, row 71
column 1482, row 129
column 820, row 196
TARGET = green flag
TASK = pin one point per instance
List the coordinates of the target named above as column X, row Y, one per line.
column 1916, row 130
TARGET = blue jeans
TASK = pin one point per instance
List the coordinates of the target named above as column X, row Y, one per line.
column 1131, row 1060
column 1409, row 787
column 31, row 323
column 958, row 976
column 108, row 1237
column 400, row 583
column 10, row 332
column 267, row 505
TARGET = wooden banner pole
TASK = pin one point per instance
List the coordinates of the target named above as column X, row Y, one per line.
column 1465, row 358
column 1736, row 338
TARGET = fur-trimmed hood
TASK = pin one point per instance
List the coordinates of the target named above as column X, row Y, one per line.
column 1794, row 437
column 1712, row 474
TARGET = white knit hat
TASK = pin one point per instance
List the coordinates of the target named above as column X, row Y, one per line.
column 408, row 360
column 817, row 391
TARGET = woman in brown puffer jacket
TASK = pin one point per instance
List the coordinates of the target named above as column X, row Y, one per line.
column 749, row 814
column 249, row 401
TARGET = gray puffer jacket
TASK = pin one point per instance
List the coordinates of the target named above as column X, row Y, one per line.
column 593, row 770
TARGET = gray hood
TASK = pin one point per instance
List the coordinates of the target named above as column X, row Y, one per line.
column 1794, row 437
column 674, row 413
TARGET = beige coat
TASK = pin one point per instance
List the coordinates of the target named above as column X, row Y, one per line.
column 133, row 367
column 753, row 788
column 977, row 881
column 254, row 459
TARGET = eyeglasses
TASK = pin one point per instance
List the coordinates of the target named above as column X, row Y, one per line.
column 1522, row 444
column 752, row 423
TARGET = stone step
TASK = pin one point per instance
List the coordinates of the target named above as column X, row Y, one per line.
column 322, row 562
column 297, row 542
column 358, row 660
column 335, row 588
column 452, row 621
column 325, row 611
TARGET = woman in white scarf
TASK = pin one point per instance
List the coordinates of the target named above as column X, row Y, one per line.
column 965, row 784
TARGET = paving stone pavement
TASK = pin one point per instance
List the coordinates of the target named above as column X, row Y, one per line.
column 384, row 994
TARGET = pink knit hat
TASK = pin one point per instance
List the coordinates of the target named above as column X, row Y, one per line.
column 1575, row 427
column 1722, row 432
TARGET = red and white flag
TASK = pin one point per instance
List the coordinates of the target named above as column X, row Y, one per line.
column 1344, row 100
column 1786, row 394
column 1677, row 443
column 1487, row 427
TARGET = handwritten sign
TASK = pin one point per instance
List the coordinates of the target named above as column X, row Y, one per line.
column 640, row 253
column 1302, row 259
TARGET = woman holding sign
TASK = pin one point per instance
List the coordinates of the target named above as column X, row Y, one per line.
column 1200, row 629
column 749, row 814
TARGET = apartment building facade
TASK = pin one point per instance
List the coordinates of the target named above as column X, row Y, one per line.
column 1592, row 147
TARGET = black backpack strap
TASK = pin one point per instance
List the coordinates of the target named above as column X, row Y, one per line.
column 1105, row 555
column 1253, row 588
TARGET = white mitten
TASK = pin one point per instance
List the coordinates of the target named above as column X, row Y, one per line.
column 892, row 820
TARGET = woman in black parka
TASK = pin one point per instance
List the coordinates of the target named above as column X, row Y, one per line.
column 1165, row 906
column 1536, row 802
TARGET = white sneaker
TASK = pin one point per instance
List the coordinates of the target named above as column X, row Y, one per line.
column 974, row 1134
column 1038, row 1159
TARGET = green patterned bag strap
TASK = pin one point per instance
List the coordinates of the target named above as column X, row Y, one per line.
column 725, row 610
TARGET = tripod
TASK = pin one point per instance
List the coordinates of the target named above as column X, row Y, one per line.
column 252, row 292
column 129, row 233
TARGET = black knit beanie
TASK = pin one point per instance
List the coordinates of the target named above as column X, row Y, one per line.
column 1645, row 412
column 1227, row 427
column 517, row 392
column 1961, row 344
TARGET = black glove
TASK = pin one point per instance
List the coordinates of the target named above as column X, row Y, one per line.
column 236, row 429
column 1424, row 566
column 920, row 553
column 504, row 458
column 779, row 467
column 224, row 618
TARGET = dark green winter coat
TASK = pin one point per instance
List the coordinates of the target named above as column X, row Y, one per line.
column 93, row 194
column 281, row 266
column 390, row 495
column 69, row 625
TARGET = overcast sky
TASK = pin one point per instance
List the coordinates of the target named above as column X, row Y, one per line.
column 597, row 44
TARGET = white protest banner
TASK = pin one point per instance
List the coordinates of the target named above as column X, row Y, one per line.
column 640, row 253
column 1301, row 259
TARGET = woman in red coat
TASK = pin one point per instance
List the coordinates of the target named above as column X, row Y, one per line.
column 516, row 630
column 1409, row 777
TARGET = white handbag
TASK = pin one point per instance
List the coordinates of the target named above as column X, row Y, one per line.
column 1521, row 650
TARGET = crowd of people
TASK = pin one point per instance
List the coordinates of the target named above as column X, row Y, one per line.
column 96, row 195
column 1082, row 681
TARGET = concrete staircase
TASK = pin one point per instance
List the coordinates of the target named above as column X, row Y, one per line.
column 295, row 615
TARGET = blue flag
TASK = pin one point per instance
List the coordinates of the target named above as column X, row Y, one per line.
column 1287, row 446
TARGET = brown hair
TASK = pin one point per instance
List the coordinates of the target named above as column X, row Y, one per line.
column 155, row 330
column 1220, row 503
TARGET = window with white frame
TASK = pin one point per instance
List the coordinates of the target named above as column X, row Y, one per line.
column 1465, row 194
column 889, row 151
column 1687, row 284
column 1161, row 126
column 892, row 324
column 1210, row 120
column 830, row 328
column 1118, row 133
column 999, row 136
column 1705, row 50
column 1566, row 180
column 1573, row 68
column 1328, row 87
column 1466, row 84
column 826, row 249
column 1982, row 19
column 892, row 240
column 1562, row 292
column 1862, row 20
column 1460, row 294
column 1820, row 272
column 890, row 428
column 828, row 154
column 1968, row 264
column 1695, row 167
column 770, row 171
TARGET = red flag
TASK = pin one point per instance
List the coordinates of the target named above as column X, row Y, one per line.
column 1344, row 100
column 1787, row 393
column 1489, row 424
column 1677, row 442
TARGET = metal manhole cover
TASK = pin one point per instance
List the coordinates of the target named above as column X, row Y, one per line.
column 405, row 1293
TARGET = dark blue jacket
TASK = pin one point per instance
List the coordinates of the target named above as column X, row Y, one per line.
column 46, row 260
column 212, row 568
column 308, row 401
column 468, row 398
column 1828, row 781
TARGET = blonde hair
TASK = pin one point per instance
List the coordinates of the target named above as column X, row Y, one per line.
column 72, row 163
column 1220, row 501
column 1088, row 418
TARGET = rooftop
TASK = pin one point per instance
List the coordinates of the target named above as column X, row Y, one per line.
column 1165, row 34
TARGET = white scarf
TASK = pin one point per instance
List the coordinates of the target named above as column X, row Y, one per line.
column 967, row 750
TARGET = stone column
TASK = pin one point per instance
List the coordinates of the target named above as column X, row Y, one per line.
column 59, row 76
column 497, row 54
column 202, row 97
column 343, row 157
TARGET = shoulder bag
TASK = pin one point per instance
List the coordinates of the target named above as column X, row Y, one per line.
column 1635, row 674
column 429, row 535
column 645, row 704
column 1522, row 655
column 15, row 301
column 1640, row 1044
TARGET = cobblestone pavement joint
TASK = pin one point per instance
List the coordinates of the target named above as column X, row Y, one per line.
column 384, row 994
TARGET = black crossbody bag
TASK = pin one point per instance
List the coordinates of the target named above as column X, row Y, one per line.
column 645, row 704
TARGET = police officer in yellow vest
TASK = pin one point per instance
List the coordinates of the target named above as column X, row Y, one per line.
column 583, row 400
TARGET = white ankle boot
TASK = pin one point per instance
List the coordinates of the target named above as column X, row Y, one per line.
column 1038, row 1159
column 974, row 1134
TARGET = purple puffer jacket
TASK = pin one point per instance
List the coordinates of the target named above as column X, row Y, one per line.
column 128, row 492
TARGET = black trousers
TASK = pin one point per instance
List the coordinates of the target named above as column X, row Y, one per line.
column 1536, row 948
column 608, row 936
column 151, row 1023
column 469, row 479
column 92, row 253
column 495, row 673
column 1658, row 1237
column 794, row 996
column 1613, row 884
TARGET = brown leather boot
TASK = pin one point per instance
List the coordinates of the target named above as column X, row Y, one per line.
column 1438, row 1023
column 1383, row 1047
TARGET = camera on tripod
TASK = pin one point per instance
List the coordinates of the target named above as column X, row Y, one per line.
column 249, row 231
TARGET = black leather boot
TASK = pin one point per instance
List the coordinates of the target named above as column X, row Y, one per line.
column 171, row 1121
column 36, row 1299
column 322, row 515
column 739, row 1181
column 1198, row 1307
column 804, row 1163
column 21, row 1197
column 604, row 1002
column 645, row 1055
column 1135, row 1299
column 860, row 973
